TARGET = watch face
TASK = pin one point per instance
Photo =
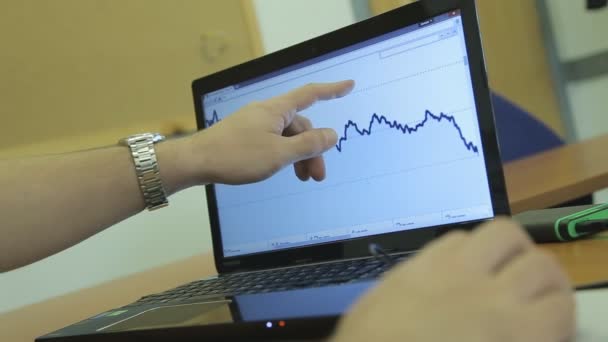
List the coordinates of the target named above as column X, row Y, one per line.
column 157, row 137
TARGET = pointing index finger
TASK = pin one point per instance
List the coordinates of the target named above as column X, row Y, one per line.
column 301, row 98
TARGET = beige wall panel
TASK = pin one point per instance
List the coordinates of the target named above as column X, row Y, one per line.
column 105, row 68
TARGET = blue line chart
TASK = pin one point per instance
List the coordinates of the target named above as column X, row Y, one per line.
column 382, row 120
column 214, row 119
column 403, row 128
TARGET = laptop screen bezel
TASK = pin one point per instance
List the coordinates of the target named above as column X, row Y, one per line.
column 398, row 241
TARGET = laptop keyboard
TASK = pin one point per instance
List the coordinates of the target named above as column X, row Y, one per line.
column 282, row 279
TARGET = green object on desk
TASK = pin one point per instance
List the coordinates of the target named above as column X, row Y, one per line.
column 576, row 220
column 565, row 223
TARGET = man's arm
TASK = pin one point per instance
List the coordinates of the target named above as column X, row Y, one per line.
column 50, row 203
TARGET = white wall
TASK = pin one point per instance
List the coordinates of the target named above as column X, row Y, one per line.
column 578, row 31
column 581, row 33
column 180, row 230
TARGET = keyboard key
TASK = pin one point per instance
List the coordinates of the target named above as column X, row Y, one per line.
column 273, row 280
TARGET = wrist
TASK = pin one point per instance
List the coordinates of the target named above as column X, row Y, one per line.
column 178, row 164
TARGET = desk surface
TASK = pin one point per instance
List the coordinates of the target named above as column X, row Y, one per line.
column 559, row 175
column 540, row 181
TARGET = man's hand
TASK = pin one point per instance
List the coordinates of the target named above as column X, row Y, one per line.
column 263, row 137
column 247, row 146
column 489, row 285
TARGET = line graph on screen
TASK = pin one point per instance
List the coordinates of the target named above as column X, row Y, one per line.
column 377, row 119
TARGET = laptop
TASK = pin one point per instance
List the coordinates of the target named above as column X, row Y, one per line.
column 417, row 156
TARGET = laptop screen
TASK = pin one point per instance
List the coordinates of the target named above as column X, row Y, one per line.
column 409, row 153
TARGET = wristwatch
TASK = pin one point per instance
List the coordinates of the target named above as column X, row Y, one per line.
column 146, row 168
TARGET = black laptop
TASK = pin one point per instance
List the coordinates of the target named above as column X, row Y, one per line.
column 417, row 156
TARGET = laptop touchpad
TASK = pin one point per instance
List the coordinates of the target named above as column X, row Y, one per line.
column 215, row 312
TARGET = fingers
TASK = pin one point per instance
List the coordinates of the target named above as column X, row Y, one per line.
column 494, row 244
column 298, row 125
column 287, row 105
column 533, row 274
column 305, row 143
column 313, row 167
column 554, row 317
column 435, row 253
column 301, row 171
column 309, row 144
column 446, row 245
column 304, row 97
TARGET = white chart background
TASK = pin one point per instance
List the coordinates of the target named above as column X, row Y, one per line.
column 385, row 175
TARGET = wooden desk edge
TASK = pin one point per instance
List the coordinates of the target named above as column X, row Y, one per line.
column 567, row 172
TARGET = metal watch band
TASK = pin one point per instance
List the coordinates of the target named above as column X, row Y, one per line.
column 146, row 168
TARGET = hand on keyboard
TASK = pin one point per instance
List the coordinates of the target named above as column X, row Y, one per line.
column 489, row 285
